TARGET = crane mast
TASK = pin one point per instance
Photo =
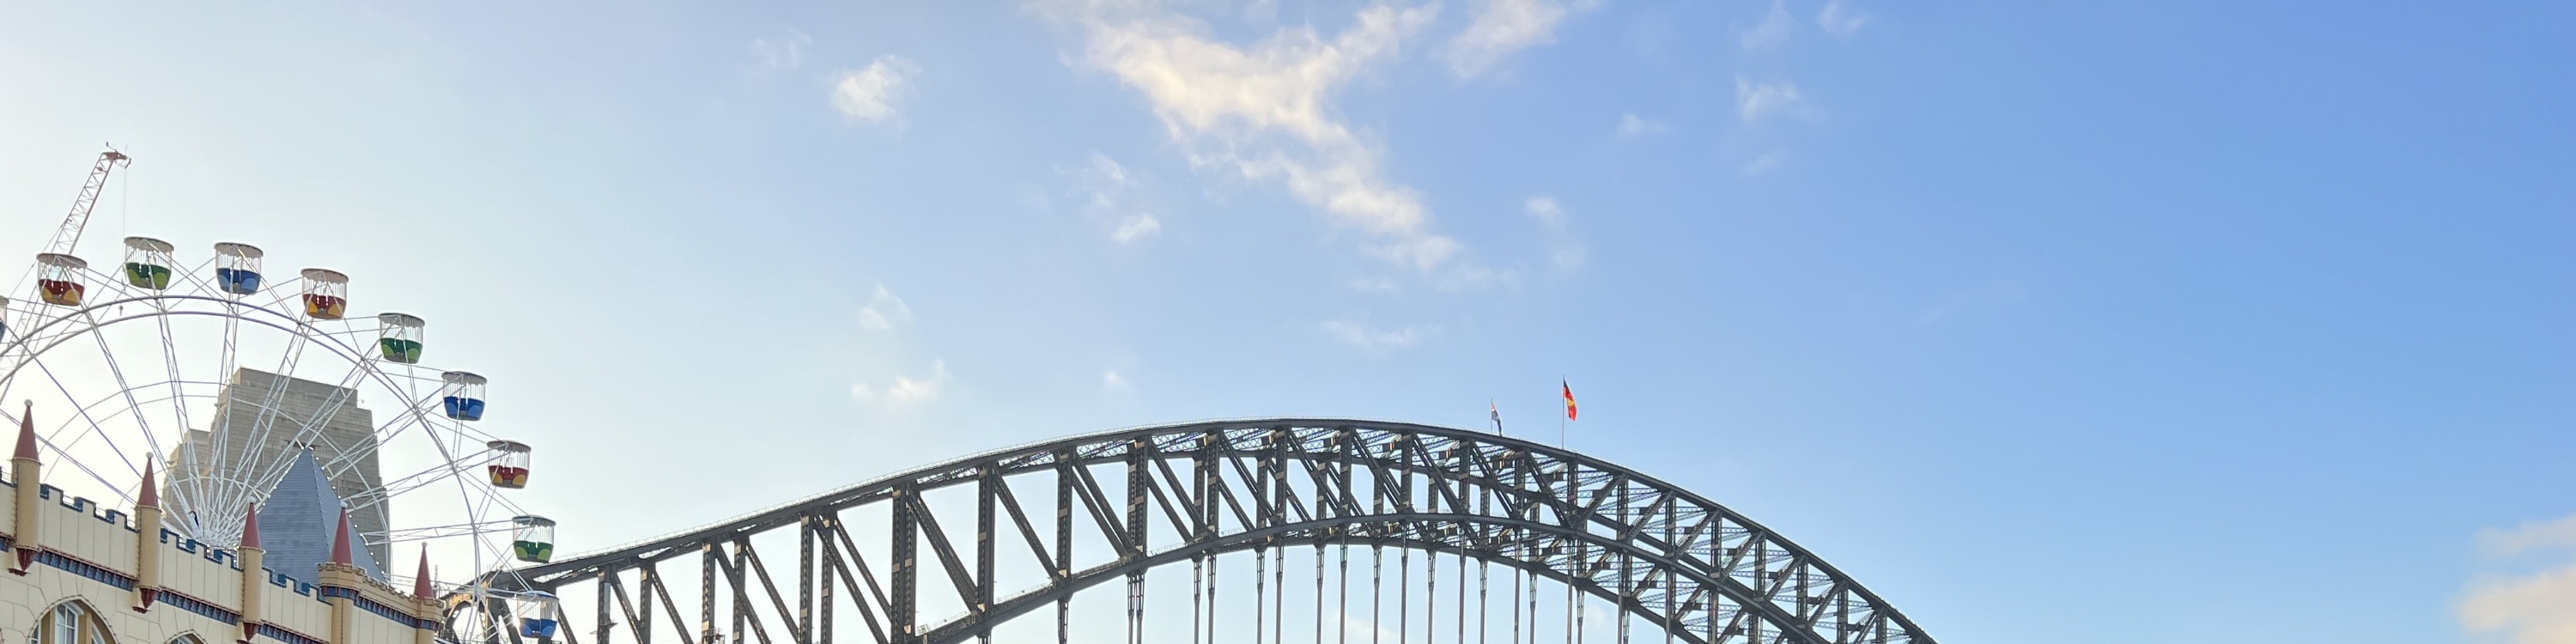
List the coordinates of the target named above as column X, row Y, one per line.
column 69, row 235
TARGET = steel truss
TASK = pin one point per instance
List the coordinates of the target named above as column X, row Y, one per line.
column 1152, row 497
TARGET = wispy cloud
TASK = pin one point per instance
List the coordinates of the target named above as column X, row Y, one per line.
column 874, row 93
column 783, row 52
column 1376, row 284
column 1756, row 101
column 2531, row 536
column 1109, row 192
column 1568, row 255
column 1110, row 380
column 1137, row 228
column 1632, row 127
column 1544, row 208
column 2534, row 608
column 1838, row 18
column 1762, row 164
column 884, row 311
column 906, row 389
column 1774, row 30
column 1371, row 338
column 1502, row 27
column 1264, row 112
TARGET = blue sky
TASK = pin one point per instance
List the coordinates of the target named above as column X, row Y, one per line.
column 2112, row 322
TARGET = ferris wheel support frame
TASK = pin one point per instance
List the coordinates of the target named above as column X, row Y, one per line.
column 53, row 332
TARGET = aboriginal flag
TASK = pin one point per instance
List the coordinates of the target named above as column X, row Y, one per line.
column 1569, row 400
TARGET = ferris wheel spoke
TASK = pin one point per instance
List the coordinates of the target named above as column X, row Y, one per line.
column 194, row 277
column 219, row 439
column 439, row 532
column 427, row 477
column 62, row 449
column 92, row 422
column 266, row 415
column 195, row 487
column 125, row 389
column 343, row 457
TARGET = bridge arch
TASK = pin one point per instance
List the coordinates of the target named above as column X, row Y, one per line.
column 1198, row 490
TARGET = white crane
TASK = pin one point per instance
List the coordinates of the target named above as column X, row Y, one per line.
column 69, row 235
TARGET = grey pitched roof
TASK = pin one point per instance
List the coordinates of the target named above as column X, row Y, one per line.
column 301, row 520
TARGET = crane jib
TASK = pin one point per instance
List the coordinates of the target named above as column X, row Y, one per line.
column 69, row 235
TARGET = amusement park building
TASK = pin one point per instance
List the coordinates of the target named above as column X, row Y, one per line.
column 83, row 574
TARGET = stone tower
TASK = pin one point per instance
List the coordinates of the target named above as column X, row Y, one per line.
column 260, row 418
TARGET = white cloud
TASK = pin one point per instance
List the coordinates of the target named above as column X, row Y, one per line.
column 785, row 52
column 1263, row 112
column 1569, row 258
column 1754, row 101
column 884, row 311
column 1109, row 192
column 906, row 389
column 1545, row 209
column 2535, row 608
column 1774, row 30
column 1110, row 380
column 871, row 94
column 1568, row 254
column 1137, row 228
column 2529, row 537
column 1502, row 27
column 1838, row 18
column 1375, row 339
column 1631, row 127
column 1376, row 284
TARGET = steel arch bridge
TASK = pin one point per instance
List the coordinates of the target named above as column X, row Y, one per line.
column 974, row 536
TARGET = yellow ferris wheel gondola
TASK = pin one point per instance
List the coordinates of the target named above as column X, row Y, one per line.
column 509, row 466
column 326, row 294
column 58, row 279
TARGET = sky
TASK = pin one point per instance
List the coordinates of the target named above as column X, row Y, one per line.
column 2115, row 322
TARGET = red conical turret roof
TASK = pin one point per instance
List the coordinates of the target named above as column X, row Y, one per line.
column 250, row 526
column 420, row 580
column 340, row 542
column 27, row 433
column 150, row 497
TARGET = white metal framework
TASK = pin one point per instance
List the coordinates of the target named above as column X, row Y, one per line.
column 219, row 377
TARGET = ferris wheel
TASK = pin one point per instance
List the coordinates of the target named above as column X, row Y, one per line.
column 232, row 382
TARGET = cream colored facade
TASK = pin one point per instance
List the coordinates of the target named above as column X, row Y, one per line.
column 153, row 587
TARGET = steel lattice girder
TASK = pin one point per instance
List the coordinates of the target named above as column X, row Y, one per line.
column 1708, row 572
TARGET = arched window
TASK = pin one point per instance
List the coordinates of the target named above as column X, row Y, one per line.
column 186, row 639
column 72, row 623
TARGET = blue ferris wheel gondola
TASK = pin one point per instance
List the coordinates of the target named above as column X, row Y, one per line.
column 537, row 612
column 464, row 396
column 237, row 268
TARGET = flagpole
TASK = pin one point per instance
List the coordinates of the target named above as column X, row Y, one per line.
column 1560, row 418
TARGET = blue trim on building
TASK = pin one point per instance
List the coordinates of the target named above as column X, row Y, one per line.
column 190, row 604
column 84, row 569
column 283, row 635
column 360, row 600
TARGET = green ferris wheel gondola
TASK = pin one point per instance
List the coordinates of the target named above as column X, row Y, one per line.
column 532, row 538
column 399, row 337
column 147, row 263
